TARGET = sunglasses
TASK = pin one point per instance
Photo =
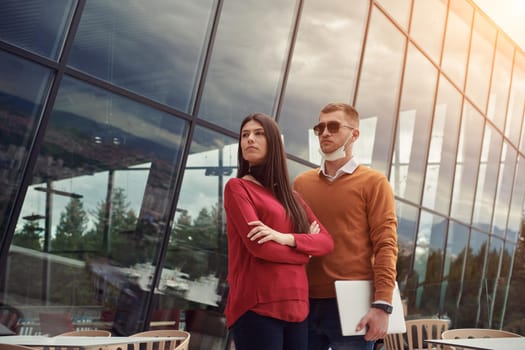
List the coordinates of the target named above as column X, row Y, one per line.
column 333, row 127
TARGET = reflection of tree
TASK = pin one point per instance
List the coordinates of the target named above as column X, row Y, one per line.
column 431, row 288
column 515, row 315
column 122, row 222
column 453, row 290
column 29, row 236
column 194, row 246
column 488, row 286
column 71, row 227
column 501, row 288
column 469, row 302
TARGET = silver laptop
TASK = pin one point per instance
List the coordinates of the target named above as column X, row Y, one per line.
column 354, row 299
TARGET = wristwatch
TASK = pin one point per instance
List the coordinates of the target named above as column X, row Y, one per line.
column 385, row 307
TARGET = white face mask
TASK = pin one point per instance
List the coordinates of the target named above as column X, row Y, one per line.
column 337, row 154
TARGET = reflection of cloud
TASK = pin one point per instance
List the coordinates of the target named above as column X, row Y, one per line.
column 247, row 61
column 323, row 67
column 200, row 191
column 144, row 48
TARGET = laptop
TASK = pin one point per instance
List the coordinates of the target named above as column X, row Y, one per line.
column 354, row 299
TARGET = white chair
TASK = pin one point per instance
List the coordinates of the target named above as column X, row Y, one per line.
column 465, row 333
column 417, row 332
column 179, row 344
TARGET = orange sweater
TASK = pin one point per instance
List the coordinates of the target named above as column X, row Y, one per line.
column 358, row 210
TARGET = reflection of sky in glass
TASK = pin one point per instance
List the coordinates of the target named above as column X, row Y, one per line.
column 323, row 67
column 153, row 48
column 434, row 156
column 517, row 209
column 467, row 164
column 504, row 190
column 480, row 61
column 200, row 191
column 247, row 61
column 38, row 26
column 517, row 100
column 456, row 244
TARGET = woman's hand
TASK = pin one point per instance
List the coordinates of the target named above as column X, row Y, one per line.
column 262, row 234
column 314, row 227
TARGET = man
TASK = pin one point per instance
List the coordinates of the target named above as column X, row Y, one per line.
column 356, row 205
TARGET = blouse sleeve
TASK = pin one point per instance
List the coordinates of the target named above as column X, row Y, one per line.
column 316, row 244
column 239, row 212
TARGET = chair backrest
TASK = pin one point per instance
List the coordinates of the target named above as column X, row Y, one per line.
column 180, row 344
column 88, row 333
column 420, row 330
column 395, row 341
column 462, row 333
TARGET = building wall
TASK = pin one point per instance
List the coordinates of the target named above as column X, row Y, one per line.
column 119, row 123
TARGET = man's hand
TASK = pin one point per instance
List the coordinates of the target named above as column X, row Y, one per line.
column 376, row 322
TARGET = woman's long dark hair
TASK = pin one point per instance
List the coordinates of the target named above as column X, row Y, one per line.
column 274, row 171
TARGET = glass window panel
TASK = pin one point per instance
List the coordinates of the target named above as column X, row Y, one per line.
column 398, row 9
column 428, row 25
column 502, row 286
column 295, row 168
column 501, row 75
column 469, row 297
column 23, row 87
column 197, row 251
column 380, row 81
column 428, row 261
column 322, row 70
column 247, row 61
column 407, row 216
column 507, row 168
column 480, row 61
column 517, row 100
column 443, row 147
column 154, row 50
column 455, row 51
column 97, row 208
column 38, row 25
column 456, row 254
column 522, row 147
column 514, row 311
column 517, row 204
column 413, row 129
column 490, row 282
column 488, row 177
column 467, row 164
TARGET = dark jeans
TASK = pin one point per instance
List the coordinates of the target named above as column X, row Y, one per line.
column 256, row 332
column 324, row 329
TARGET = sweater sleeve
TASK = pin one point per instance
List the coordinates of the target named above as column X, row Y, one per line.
column 313, row 244
column 240, row 210
column 383, row 234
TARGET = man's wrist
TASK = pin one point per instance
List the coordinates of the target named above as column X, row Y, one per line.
column 382, row 306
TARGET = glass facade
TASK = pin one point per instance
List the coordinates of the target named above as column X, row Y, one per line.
column 118, row 131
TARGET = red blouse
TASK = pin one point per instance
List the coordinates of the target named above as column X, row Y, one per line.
column 270, row 278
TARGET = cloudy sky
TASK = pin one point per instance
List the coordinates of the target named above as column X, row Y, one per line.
column 508, row 14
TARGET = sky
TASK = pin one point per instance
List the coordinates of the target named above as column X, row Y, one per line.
column 509, row 15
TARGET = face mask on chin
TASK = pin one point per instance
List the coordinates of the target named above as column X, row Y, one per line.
column 337, row 154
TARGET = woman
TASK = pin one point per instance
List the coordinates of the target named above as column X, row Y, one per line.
column 271, row 236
